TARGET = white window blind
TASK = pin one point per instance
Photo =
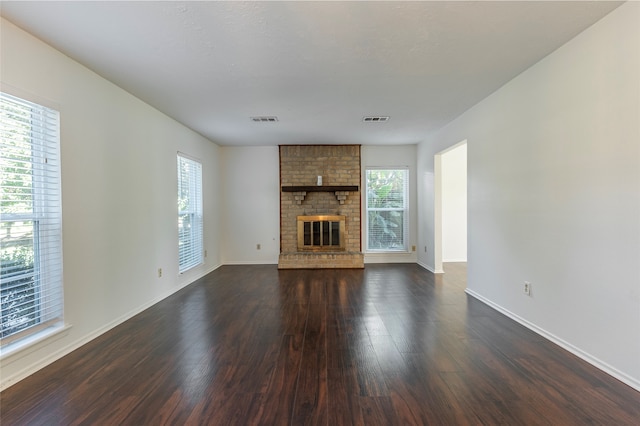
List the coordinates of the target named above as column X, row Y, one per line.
column 31, row 217
column 387, row 205
column 190, row 232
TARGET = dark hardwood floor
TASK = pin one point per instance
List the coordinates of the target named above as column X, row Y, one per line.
column 387, row 345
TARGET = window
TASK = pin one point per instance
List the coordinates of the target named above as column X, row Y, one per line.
column 190, row 235
column 31, row 219
column 387, row 209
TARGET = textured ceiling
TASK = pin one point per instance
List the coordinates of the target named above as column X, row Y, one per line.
column 320, row 67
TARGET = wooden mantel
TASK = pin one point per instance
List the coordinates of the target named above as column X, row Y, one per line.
column 321, row 188
column 300, row 192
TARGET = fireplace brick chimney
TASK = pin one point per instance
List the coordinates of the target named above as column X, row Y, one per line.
column 339, row 194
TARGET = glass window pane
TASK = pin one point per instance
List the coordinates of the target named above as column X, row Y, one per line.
column 190, row 226
column 386, row 188
column 316, row 233
column 325, row 233
column 31, row 225
column 386, row 209
column 307, row 233
column 335, row 233
column 18, row 291
column 386, row 230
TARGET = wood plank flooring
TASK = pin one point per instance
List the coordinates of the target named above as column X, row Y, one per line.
column 387, row 345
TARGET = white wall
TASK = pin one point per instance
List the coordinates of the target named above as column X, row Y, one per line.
column 391, row 156
column 119, row 195
column 554, row 184
column 454, row 204
column 251, row 210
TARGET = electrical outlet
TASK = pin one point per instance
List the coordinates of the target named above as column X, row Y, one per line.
column 159, row 272
column 257, row 246
column 527, row 288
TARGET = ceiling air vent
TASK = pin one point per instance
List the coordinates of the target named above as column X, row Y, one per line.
column 375, row 119
column 270, row 119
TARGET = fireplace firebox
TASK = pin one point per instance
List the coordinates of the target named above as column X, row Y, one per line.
column 321, row 233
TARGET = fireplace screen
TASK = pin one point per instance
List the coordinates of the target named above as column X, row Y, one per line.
column 321, row 233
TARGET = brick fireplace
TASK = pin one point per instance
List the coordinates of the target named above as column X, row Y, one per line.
column 320, row 195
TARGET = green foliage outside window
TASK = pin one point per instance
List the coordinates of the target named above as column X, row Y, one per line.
column 386, row 206
column 18, row 289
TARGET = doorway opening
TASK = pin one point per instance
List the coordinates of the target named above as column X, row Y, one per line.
column 450, row 205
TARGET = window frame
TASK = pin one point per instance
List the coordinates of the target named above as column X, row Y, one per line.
column 192, row 242
column 404, row 210
column 40, row 134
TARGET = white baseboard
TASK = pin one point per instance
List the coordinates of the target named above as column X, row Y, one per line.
column 14, row 378
column 250, row 262
column 430, row 268
column 612, row 371
column 427, row 267
column 400, row 257
column 453, row 260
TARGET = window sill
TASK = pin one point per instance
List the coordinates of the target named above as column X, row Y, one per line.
column 31, row 343
column 401, row 251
